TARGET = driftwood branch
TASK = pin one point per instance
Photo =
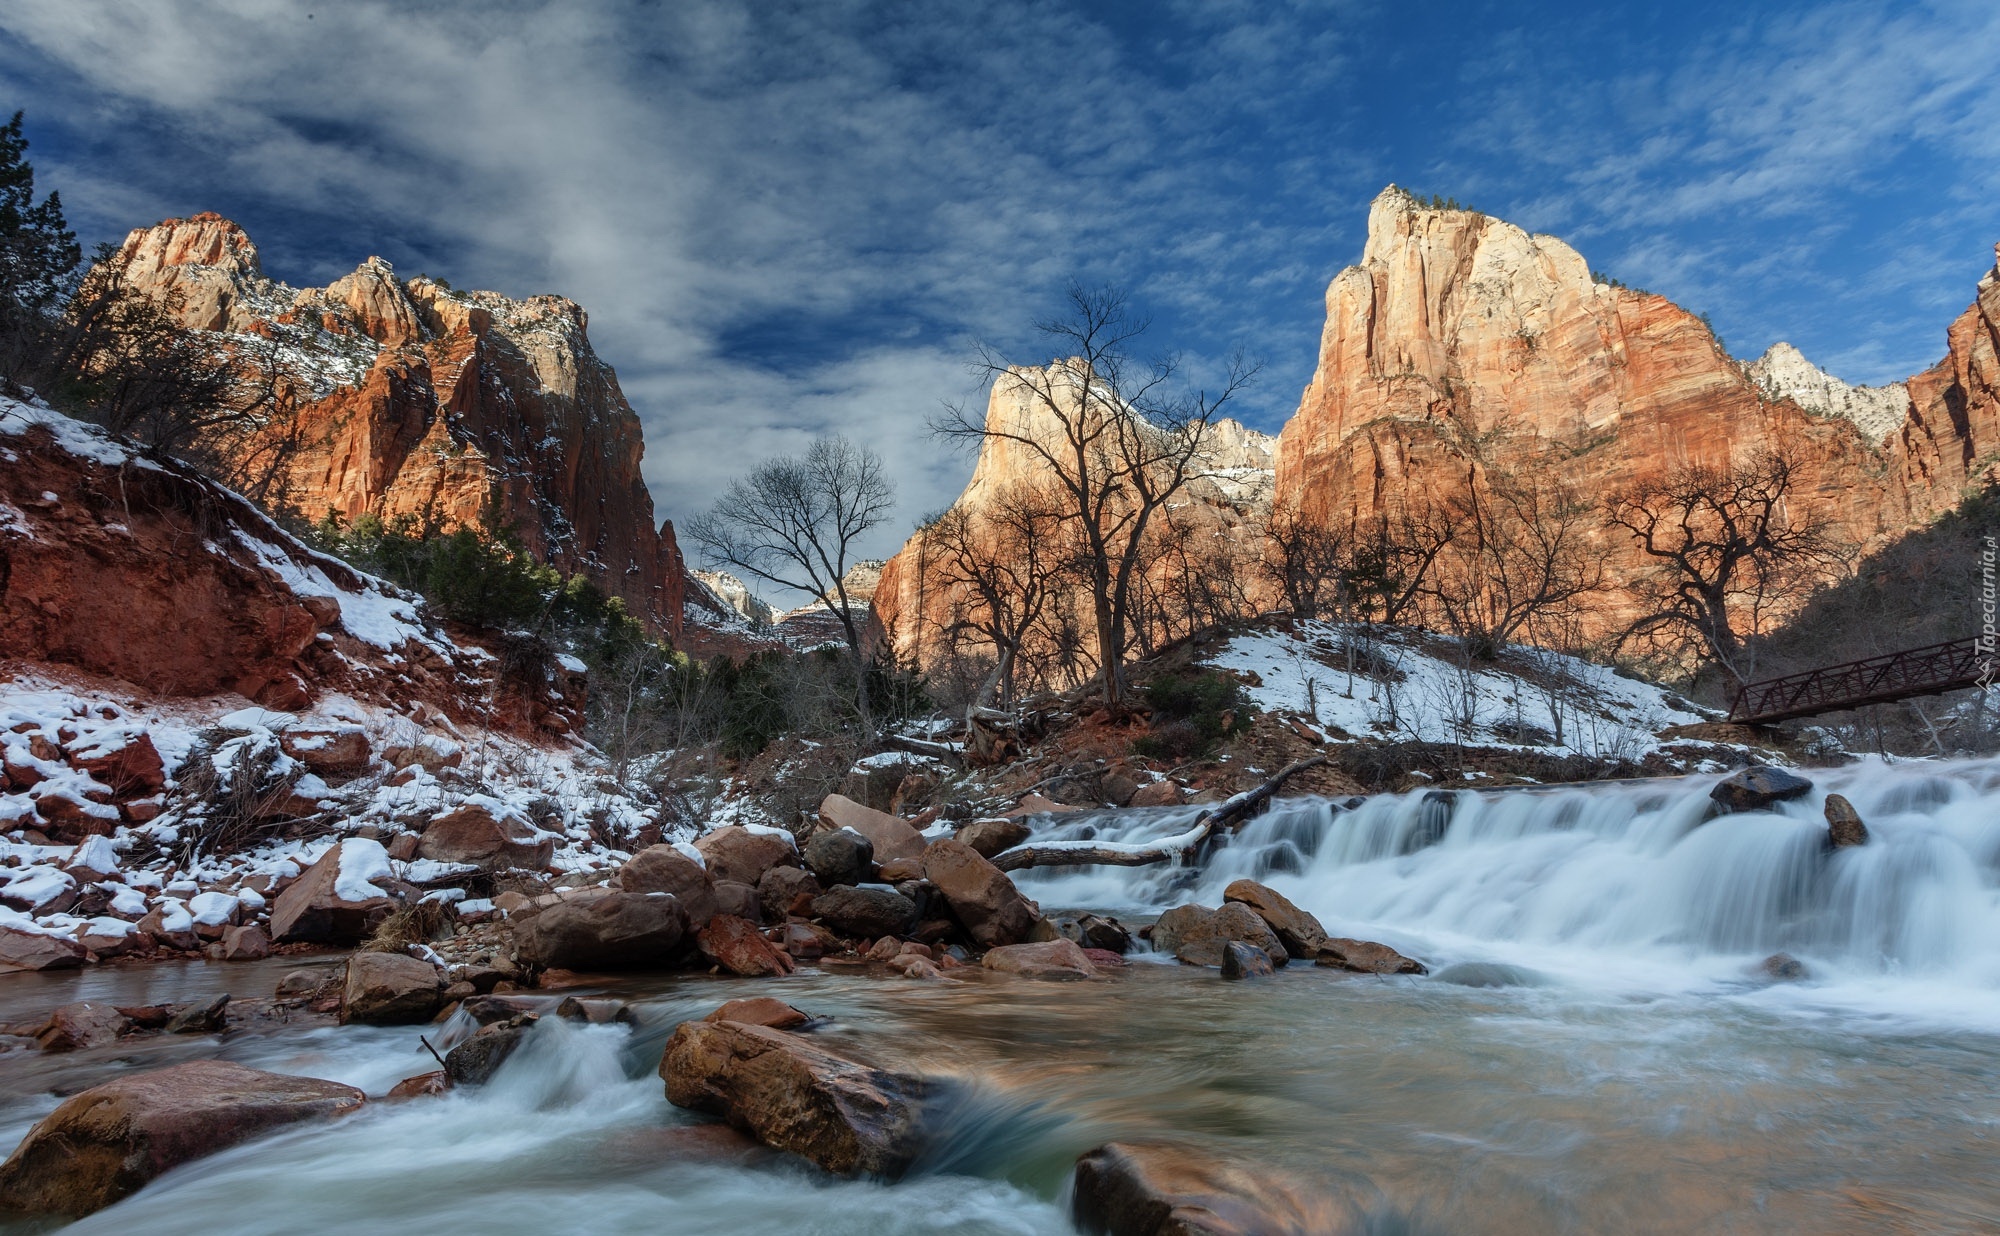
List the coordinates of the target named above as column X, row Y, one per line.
column 1224, row 815
column 918, row 746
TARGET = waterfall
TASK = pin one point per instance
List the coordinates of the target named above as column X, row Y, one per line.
column 1580, row 877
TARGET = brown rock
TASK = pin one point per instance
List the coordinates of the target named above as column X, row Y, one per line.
column 992, row 910
column 1843, row 823
column 840, row 856
column 21, row 949
column 311, row 908
column 76, row 1026
column 796, row 1095
column 209, row 1016
column 1197, row 935
column 664, row 869
column 890, row 837
column 1162, row 793
column 1051, row 959
column 902, row 870
column 1297, row 930
column 1245, row 961
column 760, row 1011
column 471, row 833
column 739, row 947
column 990, row 837
column 332, row 753
column 389, row 989
column 1367, row 957
column 803, row 943
column 1156, row 1189
column 619, row 931
column 865, row 912
column 737, row 853
column 739, row 900
column 477, row 1059
column 127, row 762
column 1758, row 787
column 422, row 1086
column 782, row 887
column 109, row 1141
column 245, row 944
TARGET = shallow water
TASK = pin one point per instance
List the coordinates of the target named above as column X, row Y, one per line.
column 1640, row 1082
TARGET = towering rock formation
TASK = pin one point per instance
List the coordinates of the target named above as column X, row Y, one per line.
column 1226, row 500
column 408, row 397
column 1952, row 437
column 1783, row 372
column 1462, row 347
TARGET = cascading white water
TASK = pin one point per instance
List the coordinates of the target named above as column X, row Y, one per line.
column 1627, row 886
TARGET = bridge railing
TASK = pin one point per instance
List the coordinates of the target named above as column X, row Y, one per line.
column 1881, row 679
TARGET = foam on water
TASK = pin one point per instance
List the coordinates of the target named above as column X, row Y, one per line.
column 1632, row 889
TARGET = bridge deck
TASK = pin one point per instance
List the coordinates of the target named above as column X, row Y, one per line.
column 1855, row 684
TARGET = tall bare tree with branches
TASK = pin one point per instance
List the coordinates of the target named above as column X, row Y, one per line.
column 1005, row 558
column 797, row 522
column 1118, row 436
column 1729, row 547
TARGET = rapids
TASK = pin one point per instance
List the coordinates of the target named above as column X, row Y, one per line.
column 1594, row 1051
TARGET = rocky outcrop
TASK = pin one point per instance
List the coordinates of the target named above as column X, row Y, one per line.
column 1952, row 437
column 1783, row 372
column 109, row 1141
column 146, row 572
column 410, row 397
column 795, row 1095
column 1462, row 348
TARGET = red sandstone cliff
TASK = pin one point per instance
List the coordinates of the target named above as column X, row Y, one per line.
column 152, row 575
column 1952, row 437
column 411, row 397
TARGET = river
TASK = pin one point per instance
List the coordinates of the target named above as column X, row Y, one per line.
column 1595, row 1050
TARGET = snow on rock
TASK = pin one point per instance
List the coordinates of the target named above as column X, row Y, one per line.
column 361, row 863
column 1396, row 684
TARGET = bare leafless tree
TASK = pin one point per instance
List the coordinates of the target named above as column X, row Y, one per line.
column 1119, row 438
column 797, row 522
column 1729, row 546
column 1520, row 555
column 1004, row 559
column 1308, row 561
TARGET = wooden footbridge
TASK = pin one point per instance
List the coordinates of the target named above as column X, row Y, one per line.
column 1872, row 680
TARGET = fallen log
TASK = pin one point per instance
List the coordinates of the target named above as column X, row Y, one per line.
column 1223, row 815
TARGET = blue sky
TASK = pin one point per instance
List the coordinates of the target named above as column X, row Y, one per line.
column 794, row 218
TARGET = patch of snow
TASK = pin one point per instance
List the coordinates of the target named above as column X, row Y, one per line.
column 361, row 862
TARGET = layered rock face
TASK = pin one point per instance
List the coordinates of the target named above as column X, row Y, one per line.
column 1951, row 439
column 1783, row 372
column 408, row 397
column 1462, row 347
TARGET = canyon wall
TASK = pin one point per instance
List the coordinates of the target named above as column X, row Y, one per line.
column 409, row 397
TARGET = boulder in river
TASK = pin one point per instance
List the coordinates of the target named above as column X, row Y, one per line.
column 617, row 931
column 389, row 989
column 83, row 1024
column 1158, row 1189
column 780, row 890
column 1757, row 787
column 1367, row 957
column 865, row 912
column 980, row 895
column 1095, row 931
column 766, row 1011
column 1245, row 961
column 990, row 837
column 1843, row 823
column 664, row 869
column 744, row 854
column 1296, row 929
column 475, row 1061
column 738, row 946
column 1783, row 968
column 109, row 1141
column 793, row 1094
column 1196, row 934
column 1050, row 959
column 840, row 856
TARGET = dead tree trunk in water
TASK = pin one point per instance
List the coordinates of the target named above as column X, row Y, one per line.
column 1086, row 853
